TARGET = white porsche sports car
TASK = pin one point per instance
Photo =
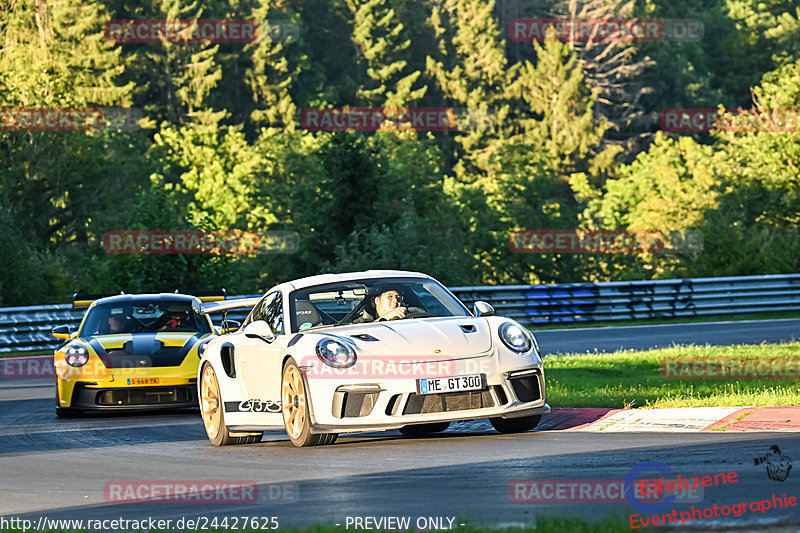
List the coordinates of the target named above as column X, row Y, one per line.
column 365, row 351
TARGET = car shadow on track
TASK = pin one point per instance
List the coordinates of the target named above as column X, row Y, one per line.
column 30, row 426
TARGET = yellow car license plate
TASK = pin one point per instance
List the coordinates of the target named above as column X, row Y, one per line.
column 142, row 381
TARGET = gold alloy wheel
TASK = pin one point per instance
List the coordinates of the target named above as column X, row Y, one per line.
column 293, row 401
column 212, row 414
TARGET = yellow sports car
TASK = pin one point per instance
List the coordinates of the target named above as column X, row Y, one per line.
column 132, row 351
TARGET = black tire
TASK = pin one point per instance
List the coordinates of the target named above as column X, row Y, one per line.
column 61, row 412
column 515, row 425
column 213, row 414
column 295, row 409
column 418, row 430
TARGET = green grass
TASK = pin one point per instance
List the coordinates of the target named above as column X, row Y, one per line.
column 26, row 354
column 632, row 379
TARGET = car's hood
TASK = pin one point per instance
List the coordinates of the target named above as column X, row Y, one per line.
column 137, row 350
column 418, row 339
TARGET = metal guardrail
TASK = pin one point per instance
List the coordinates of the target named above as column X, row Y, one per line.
column 639, row 300
column 25, row 329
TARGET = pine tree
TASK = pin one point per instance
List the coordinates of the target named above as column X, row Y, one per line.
column 379, row 38
column 174, row 80
column 270, row 75
column 470, row 69
column 59, row 189
column 613, row 67
column 55, row 54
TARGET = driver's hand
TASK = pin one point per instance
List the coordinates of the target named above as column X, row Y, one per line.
column 398, row 312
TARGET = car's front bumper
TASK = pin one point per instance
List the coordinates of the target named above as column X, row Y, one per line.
column 363, row 404
column 86, row 397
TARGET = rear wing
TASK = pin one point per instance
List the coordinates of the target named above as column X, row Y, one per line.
column 227, row 305
column 85, row 300
column 208, row 296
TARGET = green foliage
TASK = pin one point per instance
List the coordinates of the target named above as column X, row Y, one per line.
column 220, row 145
column 379, row 37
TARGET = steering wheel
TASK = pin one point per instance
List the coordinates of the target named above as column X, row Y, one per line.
column 357, row 309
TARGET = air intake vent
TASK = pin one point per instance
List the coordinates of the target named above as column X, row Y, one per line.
column 467, row 328
column 453, row 401
column 364, row 337
column 526, row 388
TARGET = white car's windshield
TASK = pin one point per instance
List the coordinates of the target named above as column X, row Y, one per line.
column 354, row 301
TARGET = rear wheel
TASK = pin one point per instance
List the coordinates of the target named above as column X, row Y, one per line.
column 417, row 430
column 213, row 415
column 294, row 405
column 515, row 425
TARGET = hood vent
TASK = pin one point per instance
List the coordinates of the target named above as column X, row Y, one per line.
column 467, row 328
column 364, row 337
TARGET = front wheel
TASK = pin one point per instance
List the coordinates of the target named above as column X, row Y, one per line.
column 294, row 406
column 515, row 425
column 418, row 430
column 213, row 415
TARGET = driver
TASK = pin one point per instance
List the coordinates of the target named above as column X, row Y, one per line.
column 388, row 305
column 116, row 323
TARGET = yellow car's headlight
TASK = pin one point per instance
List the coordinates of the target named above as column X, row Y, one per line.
column 77, row 355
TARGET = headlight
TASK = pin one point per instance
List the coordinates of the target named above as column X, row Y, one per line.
column 515, row 337
column 202, row 348
column 77, row 355
column 335, row 353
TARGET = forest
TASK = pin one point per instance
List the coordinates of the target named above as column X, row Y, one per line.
column 535, row 127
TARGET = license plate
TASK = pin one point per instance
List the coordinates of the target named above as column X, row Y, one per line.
column 142, row 381
column 452, row 384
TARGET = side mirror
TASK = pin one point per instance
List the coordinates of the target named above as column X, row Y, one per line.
column 233, row 325
column 61, row 332
column 483, row 309
column 259, row 330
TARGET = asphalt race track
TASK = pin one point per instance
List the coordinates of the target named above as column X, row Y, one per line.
column 61, row 468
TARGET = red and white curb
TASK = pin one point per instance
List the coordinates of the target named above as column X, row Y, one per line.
column 676, row 420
